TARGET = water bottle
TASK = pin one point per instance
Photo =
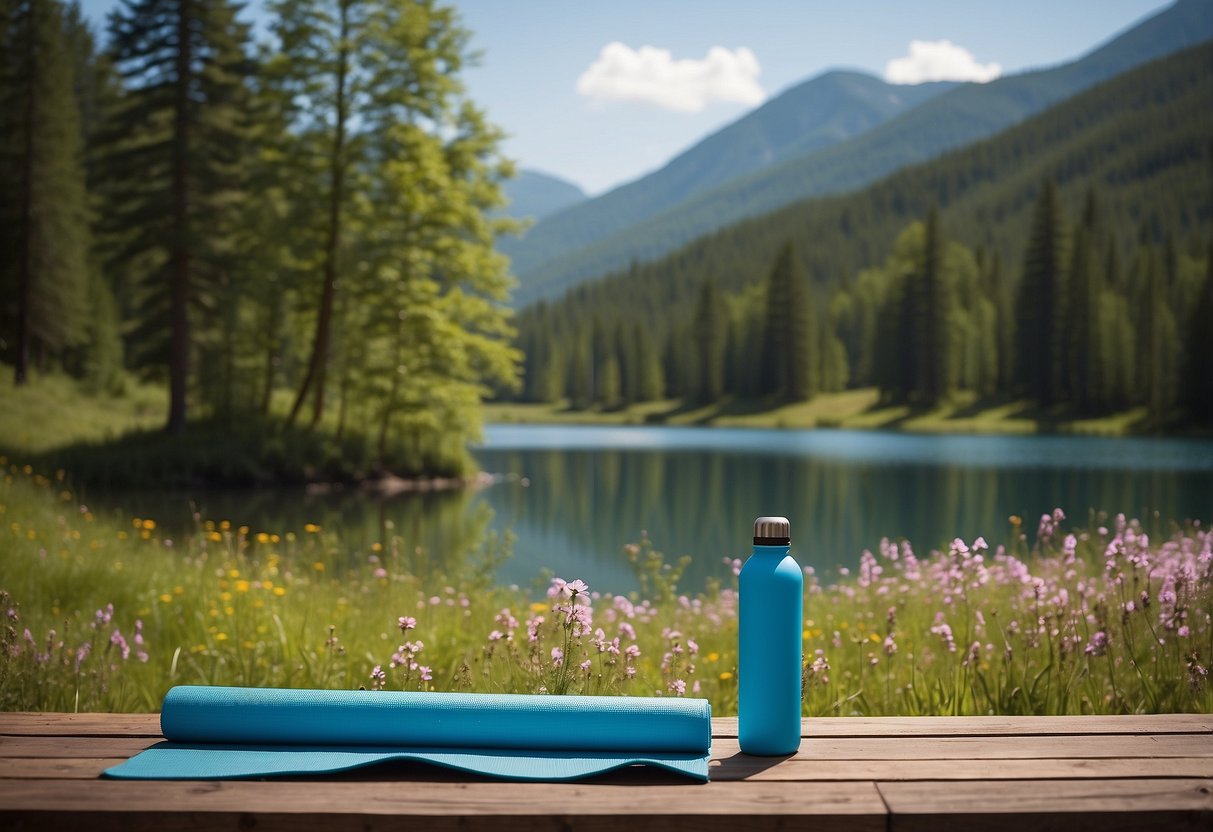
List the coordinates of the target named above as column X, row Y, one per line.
column 770, row 615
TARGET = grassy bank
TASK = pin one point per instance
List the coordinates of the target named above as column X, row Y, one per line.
column 854, row 409
column 107, row 616
column 54, row 422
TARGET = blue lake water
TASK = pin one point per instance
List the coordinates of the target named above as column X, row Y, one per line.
column 573, row 496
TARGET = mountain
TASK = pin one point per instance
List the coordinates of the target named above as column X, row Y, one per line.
column 944, row 122
column 1143, row 141
column 536, row 195
column 815, row 114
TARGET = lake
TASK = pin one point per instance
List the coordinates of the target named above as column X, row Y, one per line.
column 575, row 495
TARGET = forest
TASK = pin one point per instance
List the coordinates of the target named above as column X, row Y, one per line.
column 1065, row 261
column 294, row 232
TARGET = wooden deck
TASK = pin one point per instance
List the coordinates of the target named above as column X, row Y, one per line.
column 935, row 773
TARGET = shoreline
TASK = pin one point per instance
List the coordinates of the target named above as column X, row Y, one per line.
column 849, row 410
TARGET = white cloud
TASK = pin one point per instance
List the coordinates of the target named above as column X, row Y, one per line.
column 651, row 75
column 939, row 60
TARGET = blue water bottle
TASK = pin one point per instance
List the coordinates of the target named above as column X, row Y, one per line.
column 770, row 615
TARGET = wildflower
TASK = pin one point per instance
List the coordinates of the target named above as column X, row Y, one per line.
column 1098, row 644
column 1183, row 631
column 586, row 665
column 406, row 623
column 726, row 676
column 890, row 646
column 425, row 673
column 632, row 651
column 496, row 635
column 577, row 587
column 692, row 647
column 532, row 628
column 557, row 657
column 944, row 631
column 117, row 640
column 378, row 677
column 677, row 687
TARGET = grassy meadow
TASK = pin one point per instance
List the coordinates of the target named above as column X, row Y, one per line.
column 106, row 616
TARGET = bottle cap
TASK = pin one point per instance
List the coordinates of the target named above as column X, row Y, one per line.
column 772, row 531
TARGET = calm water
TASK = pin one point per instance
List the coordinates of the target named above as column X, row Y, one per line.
column 577, row 494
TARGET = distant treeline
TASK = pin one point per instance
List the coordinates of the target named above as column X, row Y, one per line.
column 1098, row 308
column 303, row 219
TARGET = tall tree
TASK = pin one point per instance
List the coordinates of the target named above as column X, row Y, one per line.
column 931, row 323
column 1159, row 344
column 710, row 334
column 789, row 337
column 1198, row 379
column 44, row 205
column 1040, row 306
column 174, row 164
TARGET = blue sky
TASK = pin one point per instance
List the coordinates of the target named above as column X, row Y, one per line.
column 601, row 118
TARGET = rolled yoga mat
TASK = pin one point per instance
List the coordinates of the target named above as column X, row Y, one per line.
column 227, row 733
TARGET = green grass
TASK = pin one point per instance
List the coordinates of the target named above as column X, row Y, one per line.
column 1106, row 622
column 852, row 409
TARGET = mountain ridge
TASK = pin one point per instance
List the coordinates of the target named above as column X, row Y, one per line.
column 943, row 123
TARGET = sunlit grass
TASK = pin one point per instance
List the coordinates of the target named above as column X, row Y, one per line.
column 107, row 616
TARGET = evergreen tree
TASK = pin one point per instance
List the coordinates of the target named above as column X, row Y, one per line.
column 650, row 384
column 174, row 165
column 710, row 335
column 1084, row 359
column 930, row 325
column 1198, row 378
column 1040, row 306
column 43, row 207
column 1160, row 346
column 789, row 337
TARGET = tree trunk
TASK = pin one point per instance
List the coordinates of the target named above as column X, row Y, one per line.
column 25, row 265
column 318, row 362
column 179, row 254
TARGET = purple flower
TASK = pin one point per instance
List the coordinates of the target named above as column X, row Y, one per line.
column 557, row 657
column 496, row 635
column 678, row 687
column 1098, row 644
column 378, row 677
column 406, row 623
column 426, row 673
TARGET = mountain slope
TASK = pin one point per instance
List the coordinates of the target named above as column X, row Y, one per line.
column 1141, row 140
column 823, row 111
column 536, row 195
column 945, row 122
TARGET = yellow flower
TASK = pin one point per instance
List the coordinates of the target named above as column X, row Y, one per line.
column 149, row 524
column 214, row 537
column 242, row 531
column 713, row 656
column 874, row 637
column 318, row 566
column 275, row 539
column 538, row 606
column 225, row 524
column 279, row 591
column 376, row 547
column 229, row 611
column 166, row 598
column 65, row 496
column 145, row 534
column 267, row 584
column 242, row 586
column 178, row 590
column 311, row 528
column 137, row 523
column 31, row 534
column 290, row 536
column 248, row 645
column 724, row 677
column 262, row 537
column 225, row 596
column 220, row 636
column 233, row 573
column 209, row 525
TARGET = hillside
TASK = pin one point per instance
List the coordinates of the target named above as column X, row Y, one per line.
column 817, row 113
column 953, row 119
column 535, row 195
column 1142, row 141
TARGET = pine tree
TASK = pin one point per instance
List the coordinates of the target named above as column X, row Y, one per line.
column 930, row 325
column 43, row 208
column 649, row 382
column 710, row 334
column 1198, row 376
column 1040, row 306
column 1160, row 346
column 1083, row 356
column 174, row 165
column 789, row 336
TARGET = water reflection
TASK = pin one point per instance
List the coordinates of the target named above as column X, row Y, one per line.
column 577, row 495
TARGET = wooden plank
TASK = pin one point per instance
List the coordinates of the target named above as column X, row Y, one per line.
column 817, row 749
column 89, row 768
column 300, row 806
column 919, row 726
column 101, row 725
column 149, row 725
column 1051, row 805
column 745, row 768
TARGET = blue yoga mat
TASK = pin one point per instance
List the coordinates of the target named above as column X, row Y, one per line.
column 222, row 733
